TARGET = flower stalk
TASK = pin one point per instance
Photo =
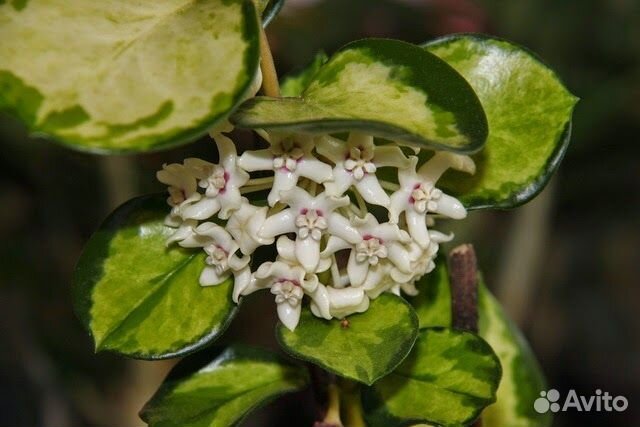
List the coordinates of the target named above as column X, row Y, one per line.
column 270, row 84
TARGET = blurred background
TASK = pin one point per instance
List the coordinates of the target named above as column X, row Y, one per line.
column 566, row 266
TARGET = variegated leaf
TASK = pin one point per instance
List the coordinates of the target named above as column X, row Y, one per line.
column 141, row 299
column 529, row 114
column 118, row 76
column 388, row 88
column 365, row 349
column 222, row 391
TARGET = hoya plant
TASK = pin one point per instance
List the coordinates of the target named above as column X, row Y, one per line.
column 338, row 214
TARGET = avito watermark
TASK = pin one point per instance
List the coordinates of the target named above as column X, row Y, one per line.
column 598, row 402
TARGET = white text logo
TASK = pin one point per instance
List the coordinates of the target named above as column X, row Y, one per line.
column 599, row 402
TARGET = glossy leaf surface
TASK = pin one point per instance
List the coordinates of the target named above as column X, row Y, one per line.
column 529, row 114
column 373, row 343
column 522, row 378
column 388, row 88
column 118, row 76
column 141, row 299
column 448, row 378
column 221, row 393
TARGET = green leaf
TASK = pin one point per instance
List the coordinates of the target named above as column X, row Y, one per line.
column 522, row 378
column 433, row 303
column 370, row 347
column 139, row 298
column 529, row 114
column 294, row 85
column 448, row 378
column 220, row 393
column 124, row 76
column 388, row 88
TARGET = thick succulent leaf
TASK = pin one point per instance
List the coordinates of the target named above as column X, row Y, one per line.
column 295, row 84
column 371, row 346
column 387, row 88
column 522, row 378
column 122, row 76
column 448, row 378
column 141, row 299
column 529, row 114
column 221, row 392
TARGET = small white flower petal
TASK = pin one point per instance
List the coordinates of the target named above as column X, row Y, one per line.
column 340, row 226
column 314, row 169
column 451, row 207
column 210, row 276
column 417, row 228
column 356, row 270
column 370, row 189
column 241, row 283
column 280, row 223
column 331, row 148
column 433, row 169
column 320, row 303
column 283, row 181
column 390, row 155
column 399, row 257
column 308, row 253
column 203, row 209
column 289, row 315
column 342, row 180
column 259, row 160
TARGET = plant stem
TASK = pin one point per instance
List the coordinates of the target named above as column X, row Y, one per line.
column 463, row 273
column 361, row 204
column 332, row 417
column 254, row 188
column 270, row 84
column 391, row 186
column 260, row 181
column 351, row 403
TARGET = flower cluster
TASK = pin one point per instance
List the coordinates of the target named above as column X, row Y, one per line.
column 328, row 246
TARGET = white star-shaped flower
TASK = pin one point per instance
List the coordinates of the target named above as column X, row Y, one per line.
column 181, row 181
column 422, row 260
column 356, row 162
column 418, row 195
column 380, row 246
column 288, row 283
column 310, row 218
column 346, row 301
column 244, row 225
column 221, row 183
column 289, row 157
column 183, row 192
column 222, row 258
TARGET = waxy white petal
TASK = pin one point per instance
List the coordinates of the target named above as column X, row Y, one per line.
column 259, row 160
column 210, row 277
column 370, row 189
column 289, row 315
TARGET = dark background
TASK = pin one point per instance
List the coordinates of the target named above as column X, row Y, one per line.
column 566, row 266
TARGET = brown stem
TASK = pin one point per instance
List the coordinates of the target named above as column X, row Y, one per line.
column 463, row 273
column 270, row 84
